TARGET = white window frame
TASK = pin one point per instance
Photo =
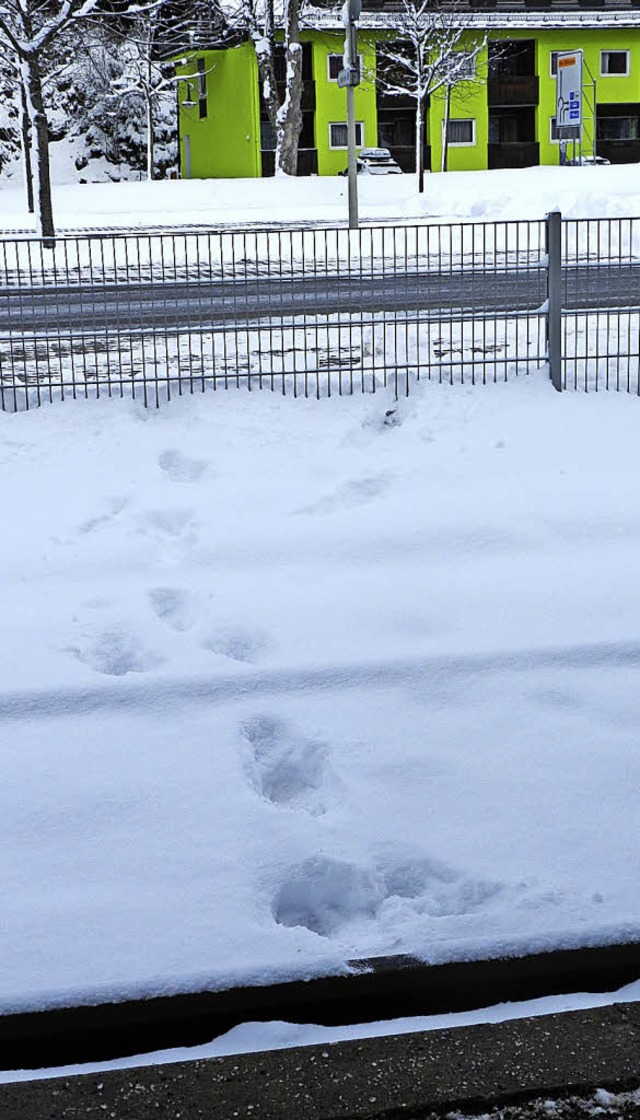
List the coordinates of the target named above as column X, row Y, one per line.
column 334, row 54
column 461, row 143
column 471, row 77
column 607, row 73
column 343, row 147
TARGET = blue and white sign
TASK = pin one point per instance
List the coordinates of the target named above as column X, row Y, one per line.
column 569, row 92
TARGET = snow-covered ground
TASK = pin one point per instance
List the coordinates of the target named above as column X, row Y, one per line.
column 457, row 196
column 288, row 682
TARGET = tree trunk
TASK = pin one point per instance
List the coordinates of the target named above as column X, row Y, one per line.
column 264, row 45
column 445, row 129
column 151, row 140
column 420, row 144
column 289, row 123
column 32, row 82
column 26, row 148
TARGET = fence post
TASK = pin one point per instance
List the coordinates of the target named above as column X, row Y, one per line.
column 554, row 297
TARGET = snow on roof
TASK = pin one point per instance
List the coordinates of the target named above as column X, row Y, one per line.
column 510, row 13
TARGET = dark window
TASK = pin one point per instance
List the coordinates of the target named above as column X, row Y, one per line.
column 461, row 132
column 338, row 135
column 614, row 62
column 280, row 63
column 267, row 136
column 618, row 128
column 570, row 132
column 202, row 88
column 512, row 59
column 396, row 133
column 335, row 63
column 334, row 66
column 307, row 132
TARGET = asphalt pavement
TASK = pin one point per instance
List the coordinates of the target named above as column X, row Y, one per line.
column 577, row 1058
column 230, row 303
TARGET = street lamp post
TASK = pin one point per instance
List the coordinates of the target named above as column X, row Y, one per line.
column 349, row 77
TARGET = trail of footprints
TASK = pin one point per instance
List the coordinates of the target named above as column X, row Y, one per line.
column 108, row 643
column 324, row 894
column 286, row 769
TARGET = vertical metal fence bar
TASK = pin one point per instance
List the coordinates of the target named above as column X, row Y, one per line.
column 554, row 297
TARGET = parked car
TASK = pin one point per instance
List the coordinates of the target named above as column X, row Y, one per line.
column 588, row 161
column 375, row 161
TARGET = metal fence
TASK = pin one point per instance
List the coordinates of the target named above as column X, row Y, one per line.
column 318, row 311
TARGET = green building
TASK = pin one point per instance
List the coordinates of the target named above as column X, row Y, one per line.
column 503, row 116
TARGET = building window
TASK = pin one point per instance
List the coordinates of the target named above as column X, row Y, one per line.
column 338, row 135
column 570, row 132
column 614, row 63
column 335, row 63
column 461, row 134
column 202, row 88
column 618, row 128
column 267, row 136
column 463, row 64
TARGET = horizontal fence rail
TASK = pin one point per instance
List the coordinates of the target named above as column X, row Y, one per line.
column 316, row 311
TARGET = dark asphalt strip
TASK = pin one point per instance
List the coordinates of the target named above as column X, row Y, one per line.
column 419, row 1075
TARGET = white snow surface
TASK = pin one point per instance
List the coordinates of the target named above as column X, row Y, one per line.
column 455, row 196
column 286, row 683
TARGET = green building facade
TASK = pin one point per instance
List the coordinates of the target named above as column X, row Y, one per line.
column 503, row 117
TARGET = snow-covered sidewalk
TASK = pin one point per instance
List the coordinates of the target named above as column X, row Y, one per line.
column 288, row 682
column 465, row 196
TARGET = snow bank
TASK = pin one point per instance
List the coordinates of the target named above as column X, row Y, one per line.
column 503, row 195
column 288, row 682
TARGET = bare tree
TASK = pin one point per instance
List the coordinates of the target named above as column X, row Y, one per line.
column 29, row 29
column 283, row 100
column 434, row 52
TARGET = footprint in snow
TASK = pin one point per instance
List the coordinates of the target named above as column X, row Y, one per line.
column 115, row 651
column 249, row 646
column 356, row 492
column 180, row 468
column 173, row 606
column 324, row 894
column 286, row 768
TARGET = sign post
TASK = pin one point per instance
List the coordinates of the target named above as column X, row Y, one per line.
column 569, row 97
column 350, row 77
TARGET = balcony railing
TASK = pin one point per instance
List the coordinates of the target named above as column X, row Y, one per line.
column 620, row 151
column 405, row 156
column 511, row 91
column 525, row 153
column 307, row 162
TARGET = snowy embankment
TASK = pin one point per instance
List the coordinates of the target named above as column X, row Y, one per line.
column 457, row 196
column 288, row 682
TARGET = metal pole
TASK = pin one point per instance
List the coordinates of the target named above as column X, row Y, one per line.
column 352, row 171
column 554, row 297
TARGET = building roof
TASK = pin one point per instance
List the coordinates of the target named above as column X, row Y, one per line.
column 487, row 14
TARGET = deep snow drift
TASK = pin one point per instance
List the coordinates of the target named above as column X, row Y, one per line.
column 288, row 682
